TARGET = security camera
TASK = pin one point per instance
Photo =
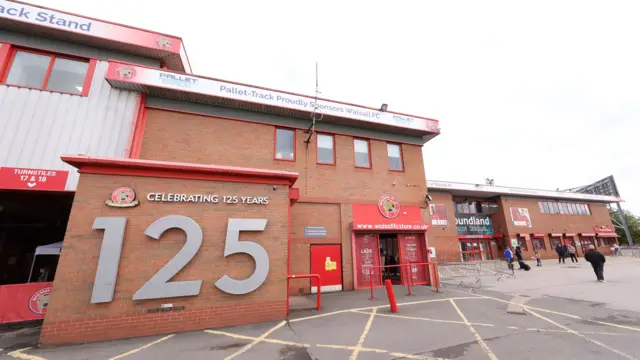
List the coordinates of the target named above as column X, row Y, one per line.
column 428, row 198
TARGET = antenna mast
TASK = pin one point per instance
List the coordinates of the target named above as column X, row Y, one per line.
column 316, row 114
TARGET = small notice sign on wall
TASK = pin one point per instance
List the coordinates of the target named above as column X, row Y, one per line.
column 315, row 232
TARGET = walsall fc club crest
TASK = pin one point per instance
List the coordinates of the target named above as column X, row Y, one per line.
column 123, row 197
column 125, row 72
column 389, row 206
column 39, row 301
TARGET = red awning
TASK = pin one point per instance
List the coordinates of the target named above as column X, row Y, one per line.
column 569, row 234
column 498, row 236
column 537, row 235
column 367, row 217
column 587, row 234
column 607, row 235
column 474, row 236
column 555, row 234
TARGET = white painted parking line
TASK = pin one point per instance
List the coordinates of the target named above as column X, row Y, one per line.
column 19, row 354
column 141, row 347
column 481, row 342
column 582, row 336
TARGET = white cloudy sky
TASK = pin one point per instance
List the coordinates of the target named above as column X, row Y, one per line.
column 541, row 94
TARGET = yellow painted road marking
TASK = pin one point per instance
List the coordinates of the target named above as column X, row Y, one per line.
column 481, row 342
column 410, row 356
column 18, row 354
column 380, row 306
column 582, row 336
column 582, row 332
column 564, row 314
column 616, row 325
column 424, row 319
column 243, row 337
column 354, row 354
column 142, row 347
column 257, row 340
column 351, row 348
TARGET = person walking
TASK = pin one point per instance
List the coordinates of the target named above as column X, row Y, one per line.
column 508, row 254
column 572, row 253
column 565, row 252
column 536, row 255
column 560, row 253
column 597, row 261
column 519, row 256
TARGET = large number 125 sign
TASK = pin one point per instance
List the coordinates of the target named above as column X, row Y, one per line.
column 158, row 286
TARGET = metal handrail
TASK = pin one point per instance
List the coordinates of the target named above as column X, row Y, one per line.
column 305, row 276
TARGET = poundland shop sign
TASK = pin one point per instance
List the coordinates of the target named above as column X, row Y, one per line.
column 474, row 224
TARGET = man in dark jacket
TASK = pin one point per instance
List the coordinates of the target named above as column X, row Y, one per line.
column 561, row 254
column 597, row 261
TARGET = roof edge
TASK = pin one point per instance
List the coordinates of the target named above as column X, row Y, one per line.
column 164, row 169
column 451, row 186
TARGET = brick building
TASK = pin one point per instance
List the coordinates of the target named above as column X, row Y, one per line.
column 471, row 222
column 168, row 201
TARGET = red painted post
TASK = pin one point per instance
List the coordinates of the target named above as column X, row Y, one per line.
column 392, row 298
column 408, row 278
column 371, row 283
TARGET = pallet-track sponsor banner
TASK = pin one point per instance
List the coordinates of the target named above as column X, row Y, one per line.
column 124, row 72
column 24, row 302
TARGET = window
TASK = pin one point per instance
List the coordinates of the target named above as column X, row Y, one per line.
column 394, row 152
column 49, row 72
column 538, row 244
column 475, row 207
column 555, row 242
column 522, row 242
column 361, row 150
column 285, row 144
column 553, row 207
column 326, row 152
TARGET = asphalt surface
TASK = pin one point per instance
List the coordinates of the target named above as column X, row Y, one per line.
column 453, row 324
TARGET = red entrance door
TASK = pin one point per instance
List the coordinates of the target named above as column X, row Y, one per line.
column 326, row 262
column 366, row 259
column 475, row 249
column 411, row 248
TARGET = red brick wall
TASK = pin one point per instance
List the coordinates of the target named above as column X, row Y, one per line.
column 173, row 136
column 326, row 191
column 72, row 318
column 444, row 238
column 552, row 223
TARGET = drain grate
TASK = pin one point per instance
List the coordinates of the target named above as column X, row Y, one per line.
column 515, row 306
